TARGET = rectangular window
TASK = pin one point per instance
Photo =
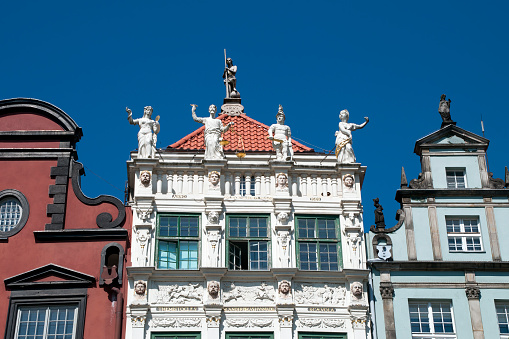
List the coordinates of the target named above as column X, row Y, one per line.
column 464, row 234
column 175, row 336
column 248, row 242
column 177, row 242
column 244, row 335
column 455, row 178
column 318, row 243
column 431, row 320
column 502, row 308
column 321, row 336
column 49, row 322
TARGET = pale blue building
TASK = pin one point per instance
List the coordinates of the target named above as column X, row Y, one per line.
column 443, row 270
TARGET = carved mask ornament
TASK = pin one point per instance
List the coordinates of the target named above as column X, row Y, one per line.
column 145, row 178
column 140, row 287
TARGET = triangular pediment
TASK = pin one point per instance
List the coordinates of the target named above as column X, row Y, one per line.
column 253, row 137
column 49, row 276
column 451, row 136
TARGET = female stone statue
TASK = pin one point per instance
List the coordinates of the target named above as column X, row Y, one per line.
column 147, row 136
column 344, row 150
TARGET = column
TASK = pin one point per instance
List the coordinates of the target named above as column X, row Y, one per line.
column 324, row 185
column 295, row 190
column 409, row 230
column 190, row 181
column 248, row 183
column 237, row 183
column 387, row 292
column 227, row 184
column 169, row 177
column 313, row 185
column 492, row 231
column 435, row 236
column 304, row 185
column 180, row 182
column 334, row 183
column 267, row 183
column 473, row 294
column 159, row 182
column 258, row 186
column 200, row 182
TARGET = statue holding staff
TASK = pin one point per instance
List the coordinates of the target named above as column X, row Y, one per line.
column 344, row 150
column 213, row 129
column 147, row 136
column 281, row 137
column 229, row 78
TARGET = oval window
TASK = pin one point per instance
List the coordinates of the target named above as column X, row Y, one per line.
column 13, row 212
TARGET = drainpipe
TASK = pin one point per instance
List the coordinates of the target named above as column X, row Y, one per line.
column 118, row 312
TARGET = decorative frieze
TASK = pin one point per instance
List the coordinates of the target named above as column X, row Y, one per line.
column 320, row 323
column 316, row 294
column 248, row 293
column 180, row 294
column 249, row 322
column 175, row 322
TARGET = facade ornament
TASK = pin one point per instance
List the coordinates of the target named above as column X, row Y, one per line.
column 285, row 289
column 495, row 183
column 281, row 137
column 233, row 294
column 214, row 178
column 138, row 321
column 260, row 294
column 283, row 240
column 264, row 293
column 320, row 295
column 344, row 150
column 356, row 290
column 382, row 245
column 147, row 136
column 473, row 292
column 281, row 182
column 386, row 290
column 282, row 218
column 175, row 322
column 320, row 323
column 213, row 289
column 180, row 294
column 230, row 80
column 213, row 321
column 351, row 220
column 444, row 108
column 213, row 218
column 145, row 178
column 354, row 242
column 379, row 214
column 420, row 182
column 358, row 321
column 144, row 215
column 214, row 237
column 349, row 182
column 213, row 129
column 248, row 322
column 143, row 236
column 140, row 288
column 285, row 320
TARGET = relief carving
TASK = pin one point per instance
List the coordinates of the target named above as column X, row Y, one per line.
column 248, row 322
column 320, row 323
column 175, row 322
column 180, row 294
column 261, row 294
column 320, row 295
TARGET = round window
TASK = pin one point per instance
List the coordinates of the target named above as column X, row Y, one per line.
column 13, row 212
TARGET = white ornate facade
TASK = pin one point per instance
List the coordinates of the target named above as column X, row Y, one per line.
column 215, row 254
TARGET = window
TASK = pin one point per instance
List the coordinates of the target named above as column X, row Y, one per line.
column 321, row 336
column 503, row 318
column 13, row 212
column 50, row 322
column 175, row 336
column 177, row 242
column 455, row 178
column 431, row 320
column 464, row 234
column 244, row 189
column 245, row 335
column 248, row 242
column 318, row 243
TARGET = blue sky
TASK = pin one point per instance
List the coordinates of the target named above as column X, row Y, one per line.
column 389, row 61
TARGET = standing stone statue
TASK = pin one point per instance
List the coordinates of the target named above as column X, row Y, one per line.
column 147, row 136
column 379, row 214
column 229, row 79
column 344, row 150
column 281, row 137
column 444, row 108
column 213, row 129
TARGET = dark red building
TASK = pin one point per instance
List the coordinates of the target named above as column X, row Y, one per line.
column 63, row 255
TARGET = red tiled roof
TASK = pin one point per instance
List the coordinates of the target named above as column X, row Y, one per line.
column 254, row 134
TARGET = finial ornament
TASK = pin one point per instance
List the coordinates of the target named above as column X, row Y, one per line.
column 147, row 136
column 344, row 150
column 281, row 137
column 444, row 108
column 213, row 129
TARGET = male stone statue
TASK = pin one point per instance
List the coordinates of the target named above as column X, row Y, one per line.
column 444, row 108
column 281, row 137
column 213, row 129
column 147, row 136
column 229, row 79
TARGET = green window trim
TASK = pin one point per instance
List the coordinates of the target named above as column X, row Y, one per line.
column 178, row 241
column 318, row 238
column 313, row 335
column 248, row 246
column 250, row 335
column 176, row 335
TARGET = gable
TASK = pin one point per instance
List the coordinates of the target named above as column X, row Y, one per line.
column 453, row 139
column 49, row 276
column 449, row 137
column 253, row 137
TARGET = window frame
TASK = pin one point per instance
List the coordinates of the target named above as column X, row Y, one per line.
column 430, row 320
column 25, row 211
column 248, row 239
column 177, row 239
column 161, row 335
column 306, row 335
column 463, row 235
column 46, row 298
column 455, row 170
column 318, row 241
column 505, row 305
column 248, row 335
